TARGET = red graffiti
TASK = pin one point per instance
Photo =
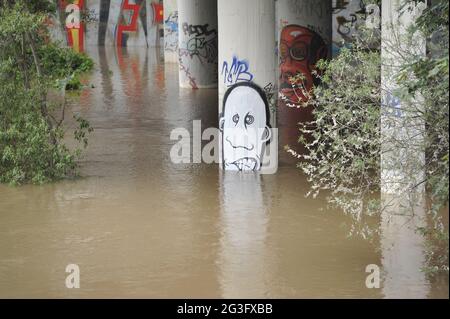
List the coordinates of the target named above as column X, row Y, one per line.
column 132, row 26
column 158, row 13
column 300, row 50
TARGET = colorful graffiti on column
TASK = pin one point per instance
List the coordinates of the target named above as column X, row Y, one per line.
column 300, row 49
column 245, row 127
column 198, row 45
column 171, row 32
column 118, row 22
column 347, row 16
column 127, row 22
column 158, row 13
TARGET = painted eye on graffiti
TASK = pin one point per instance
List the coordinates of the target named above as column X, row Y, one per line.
column 298, row 51
column 243, row 145
column 249, row 119
column 236, row 118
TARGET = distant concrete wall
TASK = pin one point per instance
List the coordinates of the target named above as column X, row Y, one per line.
column 111, row 23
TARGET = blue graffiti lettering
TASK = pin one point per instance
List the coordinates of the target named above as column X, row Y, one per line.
column 237, row 71
column 393, row 105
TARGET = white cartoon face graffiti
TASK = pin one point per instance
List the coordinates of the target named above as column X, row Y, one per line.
column 244, row 126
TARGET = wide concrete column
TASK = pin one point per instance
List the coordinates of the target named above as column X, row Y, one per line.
column 304, row 37
column 171, row 31
column 197, row 41
column 247, row 56
column 246, row 44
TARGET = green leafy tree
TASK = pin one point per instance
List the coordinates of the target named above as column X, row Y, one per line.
column 344, row 140
column 31, row 123
column 430, row 80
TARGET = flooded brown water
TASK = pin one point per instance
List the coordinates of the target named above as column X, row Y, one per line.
column 140, row 226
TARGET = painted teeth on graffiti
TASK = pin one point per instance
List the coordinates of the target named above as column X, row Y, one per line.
column 245, row 127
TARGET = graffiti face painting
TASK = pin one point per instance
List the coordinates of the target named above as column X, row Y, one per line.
column 300, row 49
column 245, row 127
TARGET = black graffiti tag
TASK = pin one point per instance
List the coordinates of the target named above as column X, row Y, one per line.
column 198, row 30
column 206, row 49
column 202, row 42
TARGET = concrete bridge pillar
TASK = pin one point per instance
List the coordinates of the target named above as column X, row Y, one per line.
column 402, row 126
column 170, row 31
column 246, row 56
column 304, row 32
column 197, row 41
column 402, row 156
column 247, row 43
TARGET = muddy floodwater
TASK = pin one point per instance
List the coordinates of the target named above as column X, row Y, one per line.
column 138, row 225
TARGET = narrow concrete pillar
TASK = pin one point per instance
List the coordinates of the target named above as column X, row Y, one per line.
column 403, row 250
column 402, row 157
column 171, row 31
column 304, row 37
column 402, row 126
column 247, row 56
column 197, row 41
